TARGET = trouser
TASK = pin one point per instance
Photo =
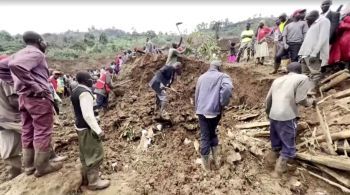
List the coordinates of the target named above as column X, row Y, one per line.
column 244, row 46
column 161, row 99
column 209, row 137
column 90, row 149
column 282, row 135
column 37, row 122
column 313, row 70
column 293, row 51
column 101, row 101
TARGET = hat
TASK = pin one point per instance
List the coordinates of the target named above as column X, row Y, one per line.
column 215, row 63
column 298, row 11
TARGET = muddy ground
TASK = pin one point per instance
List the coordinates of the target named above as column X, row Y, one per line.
column 169, row 166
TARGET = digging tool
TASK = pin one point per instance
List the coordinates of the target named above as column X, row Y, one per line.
column 177, row 26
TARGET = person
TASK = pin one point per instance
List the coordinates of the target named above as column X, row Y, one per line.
column 162, row 80
column 173, row 54
column 262, row 49
column 30, row 73
column 10, row 122
column 213, row 93
column 90, row 134
column 333, row 17
column 340, row 50
column 315, row 48
column 149, row 46
column 232, row 56
column 284, row 21
column 103, row 88
column 285, row 94
column 277, row 36
column 293, row 37
column 246, row 43
column 53, row 79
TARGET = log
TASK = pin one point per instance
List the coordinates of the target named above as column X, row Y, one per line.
column 335, row 81
column 334, row 136
column 342, row 94
column 325, row 130
column 247, row 116
column 260, row 134
column 253, row 125
column 327, row 160
column 343, row 189
column 343, row 180
column 333, row 76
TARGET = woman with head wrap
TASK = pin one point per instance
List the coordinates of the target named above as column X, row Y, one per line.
column 262, row 49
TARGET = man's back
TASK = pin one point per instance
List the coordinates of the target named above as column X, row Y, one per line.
column 286, row 92
column 172, row 56
column 249, row 33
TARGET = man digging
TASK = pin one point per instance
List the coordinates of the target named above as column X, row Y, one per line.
column 282, row 101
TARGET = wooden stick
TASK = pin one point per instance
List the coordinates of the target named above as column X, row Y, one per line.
column 260, row 134
column 336, row 162
column 342, row 94
column 334, row 136
column 343, row 189
column 335, row 81
column 333, row 76
column 345, row 181
column 324, row 99
column 253, row 125
column 325, row 130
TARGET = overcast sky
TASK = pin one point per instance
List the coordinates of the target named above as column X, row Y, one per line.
column 17, row 17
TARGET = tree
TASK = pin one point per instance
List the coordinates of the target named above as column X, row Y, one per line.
column 5, row 36
column 151, row 34
column 103, row 38
column 89, row 39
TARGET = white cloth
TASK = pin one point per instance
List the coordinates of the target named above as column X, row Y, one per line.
column 262, row 50
column 316, row 42
column 86, row 105
column 10, row 144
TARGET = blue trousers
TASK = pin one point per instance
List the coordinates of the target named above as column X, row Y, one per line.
column 101, row 101
column 282, row 135
column 209, row 137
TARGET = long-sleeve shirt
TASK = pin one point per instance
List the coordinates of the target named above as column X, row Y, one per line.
column 86, row 105
column 213, row 92
column 316, row 41
column 30, row 71
column 295, row 32
column 285, row 94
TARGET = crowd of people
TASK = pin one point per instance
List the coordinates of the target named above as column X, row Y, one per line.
column 30, row 93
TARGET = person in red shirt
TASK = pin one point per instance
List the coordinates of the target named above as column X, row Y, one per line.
column 53, row 79
column 262, row 49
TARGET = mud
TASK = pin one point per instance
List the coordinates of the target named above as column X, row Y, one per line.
column 169, row 164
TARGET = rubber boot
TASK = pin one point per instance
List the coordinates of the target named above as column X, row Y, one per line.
column 95, row 183
column 280, row 167
column 276, row 66
column 270, row 158
column 56, row 158
column 205, row 162
column 15, row 167
column 215, row 152
column 43, row 166
column 84, row 177
column 28, row 161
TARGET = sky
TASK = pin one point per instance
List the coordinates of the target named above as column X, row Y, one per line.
column 60, row 16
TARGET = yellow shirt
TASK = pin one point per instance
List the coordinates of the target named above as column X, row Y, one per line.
column 249, row 33
column 281, row 26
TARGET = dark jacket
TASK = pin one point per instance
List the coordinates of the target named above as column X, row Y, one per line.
column 79, row 119
column 163, row 76
column 334, row 18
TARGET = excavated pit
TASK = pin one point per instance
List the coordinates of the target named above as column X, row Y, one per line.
column 169, row 165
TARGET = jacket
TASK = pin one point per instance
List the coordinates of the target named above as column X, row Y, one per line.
column 340, row 50
column 103, row 84
column 334, row 18
column 213, row 92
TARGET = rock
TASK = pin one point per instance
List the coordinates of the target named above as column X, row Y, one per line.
column 233, row 157
column 65, row 181
column 196, row 145
column 159, row 127
column 187, row 141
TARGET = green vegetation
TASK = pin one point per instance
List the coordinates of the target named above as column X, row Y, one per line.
column 75, row 44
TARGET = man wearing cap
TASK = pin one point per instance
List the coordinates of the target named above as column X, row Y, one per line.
column 213, row 93
column 293, row 37
column 90, row 134
column 333, row 17
column 315, row 48
column 283, row 98
column 30, row 73
column 162, row 80
column 246, row 42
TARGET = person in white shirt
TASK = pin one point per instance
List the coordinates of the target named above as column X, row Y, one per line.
column 90, row 135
